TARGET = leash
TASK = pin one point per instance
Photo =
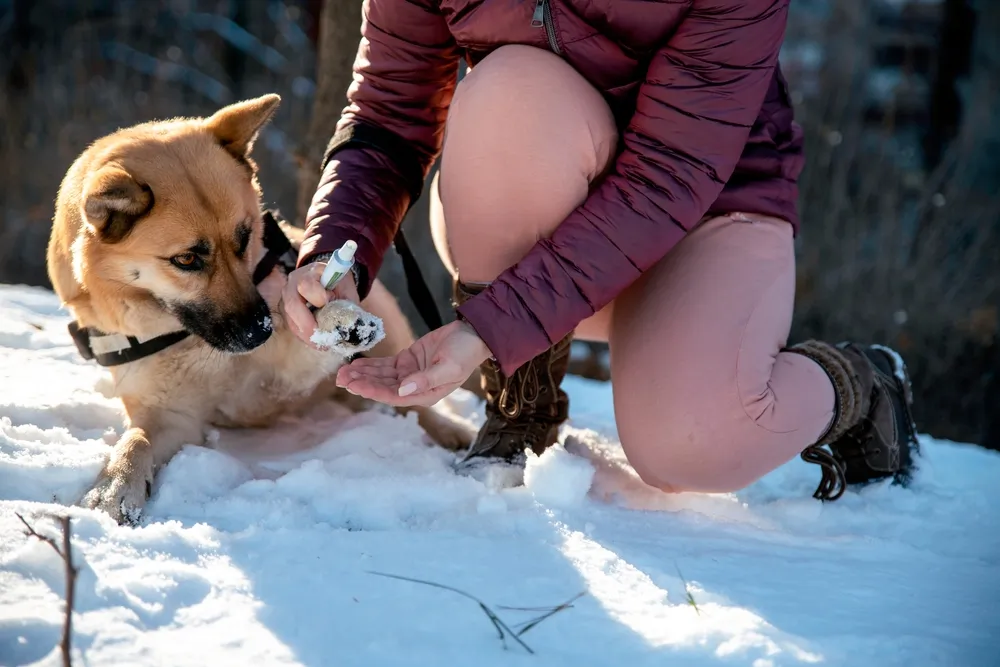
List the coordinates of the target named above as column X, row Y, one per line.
column 416, row 286
column 402, row 153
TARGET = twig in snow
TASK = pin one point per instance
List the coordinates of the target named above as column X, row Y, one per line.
column 687, row 591
column 502, row 629
column 66, row 553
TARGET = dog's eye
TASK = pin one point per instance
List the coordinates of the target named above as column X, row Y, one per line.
column 187, row 261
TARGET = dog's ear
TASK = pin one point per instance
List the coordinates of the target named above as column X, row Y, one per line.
column 237, row 126
column 113, row 201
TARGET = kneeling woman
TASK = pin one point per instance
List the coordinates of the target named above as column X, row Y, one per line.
column 625, row 176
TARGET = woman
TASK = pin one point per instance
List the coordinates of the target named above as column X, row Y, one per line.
column 609, row 171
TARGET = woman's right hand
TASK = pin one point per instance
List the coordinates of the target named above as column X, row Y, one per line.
column 303, row 289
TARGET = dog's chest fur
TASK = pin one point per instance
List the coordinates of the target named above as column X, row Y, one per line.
column 249, row 390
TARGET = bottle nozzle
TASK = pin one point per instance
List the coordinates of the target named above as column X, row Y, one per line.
column 346, row 252
column 340, row 263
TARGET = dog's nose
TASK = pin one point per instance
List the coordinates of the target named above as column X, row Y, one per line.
column 255, row 328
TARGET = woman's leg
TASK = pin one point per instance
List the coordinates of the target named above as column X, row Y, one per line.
column 526, row 136
column 525, row 139
column 705, row 398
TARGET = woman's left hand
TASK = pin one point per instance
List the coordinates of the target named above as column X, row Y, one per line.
column 429, row 370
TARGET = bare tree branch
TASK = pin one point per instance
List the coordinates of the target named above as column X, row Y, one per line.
column 66, row 554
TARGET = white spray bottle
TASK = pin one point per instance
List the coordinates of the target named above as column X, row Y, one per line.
column 339, row 264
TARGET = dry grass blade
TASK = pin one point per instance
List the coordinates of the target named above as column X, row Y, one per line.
column 527, row 625
column 66, row 554
column 502, row 629
column 687, row 591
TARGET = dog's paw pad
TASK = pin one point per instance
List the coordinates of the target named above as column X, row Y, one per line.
column 121, row 497
column 347, row 329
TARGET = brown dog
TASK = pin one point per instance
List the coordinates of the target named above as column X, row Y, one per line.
column 158, row 229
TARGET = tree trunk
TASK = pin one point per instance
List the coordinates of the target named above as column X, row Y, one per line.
column 981, row 98
column 339, row 34
column 952, row 64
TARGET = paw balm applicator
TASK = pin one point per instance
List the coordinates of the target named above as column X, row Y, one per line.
column 339, row 264
column 342, row 326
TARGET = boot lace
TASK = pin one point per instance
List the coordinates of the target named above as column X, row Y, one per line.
column 510, row 404
column 834, row 480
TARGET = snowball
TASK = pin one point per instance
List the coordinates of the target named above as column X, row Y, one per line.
column 558, row 478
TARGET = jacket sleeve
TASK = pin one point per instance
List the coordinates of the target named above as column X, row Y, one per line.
column 695, row 109
column 389, row 134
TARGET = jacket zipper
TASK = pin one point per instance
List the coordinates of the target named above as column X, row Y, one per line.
column 543, row 18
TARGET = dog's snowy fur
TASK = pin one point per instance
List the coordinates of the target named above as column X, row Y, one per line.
column 157, row 228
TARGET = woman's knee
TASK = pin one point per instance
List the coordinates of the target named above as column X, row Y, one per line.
column 689, row 441
column 525, row 137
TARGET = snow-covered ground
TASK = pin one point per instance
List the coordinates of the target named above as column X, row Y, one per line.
column 262, row 550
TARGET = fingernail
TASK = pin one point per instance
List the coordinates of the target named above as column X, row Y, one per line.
column 349, row 391
column 408, row 389
column 355, row 375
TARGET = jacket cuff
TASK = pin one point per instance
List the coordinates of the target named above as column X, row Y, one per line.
column 510, row 331
column 325, row 257
column 395, row 147
column 320, row 248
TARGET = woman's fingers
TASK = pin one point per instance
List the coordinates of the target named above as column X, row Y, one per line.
column 427, row 380
column 375, row 391
column 302, row 321
column 346, row 289
column 313, row 292
column 372, row 362
column 388, row 394
column 380, row 374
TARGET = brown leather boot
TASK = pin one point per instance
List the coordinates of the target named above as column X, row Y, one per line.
column 525, row 409
column 873, row 435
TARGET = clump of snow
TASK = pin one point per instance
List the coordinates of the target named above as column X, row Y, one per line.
column 557, row 478
column 345, row 328
column 259, row 550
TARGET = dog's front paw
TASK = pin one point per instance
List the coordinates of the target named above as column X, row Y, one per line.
column 347, row 329
column 121, row 492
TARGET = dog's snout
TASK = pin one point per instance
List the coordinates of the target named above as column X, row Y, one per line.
column 256, row 327
column 233, row 332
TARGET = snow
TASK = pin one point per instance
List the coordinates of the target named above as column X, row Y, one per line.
column 264, row 549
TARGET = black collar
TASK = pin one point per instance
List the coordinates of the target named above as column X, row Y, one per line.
column 111, row 349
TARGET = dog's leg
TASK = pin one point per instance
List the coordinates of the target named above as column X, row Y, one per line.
column 126, row 482
column 442, row 429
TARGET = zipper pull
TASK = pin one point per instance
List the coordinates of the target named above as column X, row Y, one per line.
column 538, row 18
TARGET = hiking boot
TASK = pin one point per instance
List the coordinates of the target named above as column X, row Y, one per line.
column 873, row 435
column 524, row 410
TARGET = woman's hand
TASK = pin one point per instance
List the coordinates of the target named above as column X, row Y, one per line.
column 303, row 289
column 429, row 370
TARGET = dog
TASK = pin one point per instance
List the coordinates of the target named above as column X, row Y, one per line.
column 157, row 234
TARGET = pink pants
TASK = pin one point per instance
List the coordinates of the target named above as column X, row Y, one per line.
column 704, row 398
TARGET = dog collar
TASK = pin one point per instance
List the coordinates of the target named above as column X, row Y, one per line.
column 114, row 349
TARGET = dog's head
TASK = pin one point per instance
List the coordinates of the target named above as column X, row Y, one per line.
column 168, row 222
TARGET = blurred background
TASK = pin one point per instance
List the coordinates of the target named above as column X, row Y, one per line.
column 900, row 198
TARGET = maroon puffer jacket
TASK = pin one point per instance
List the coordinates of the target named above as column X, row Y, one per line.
column 703, row 111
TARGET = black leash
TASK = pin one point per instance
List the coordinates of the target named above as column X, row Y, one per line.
column 416, row 286
column 402, row 153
